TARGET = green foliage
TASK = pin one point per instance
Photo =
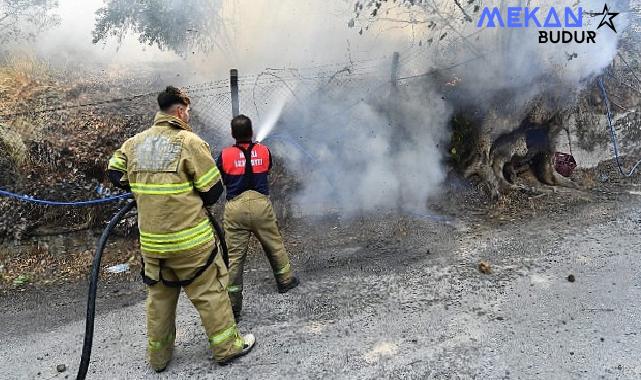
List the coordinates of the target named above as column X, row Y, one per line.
column 180, row 26
column 25, row 19
column 433, row 20
column 21, row 280
column 378, row 8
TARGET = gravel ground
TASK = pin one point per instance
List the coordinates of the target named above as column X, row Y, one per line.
column 386, row 297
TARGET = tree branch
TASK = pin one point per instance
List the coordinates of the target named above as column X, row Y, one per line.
column 467, row 17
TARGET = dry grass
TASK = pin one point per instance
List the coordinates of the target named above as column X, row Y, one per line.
column 13, row 151
column 23, row 78
column 20, row 73
column 22, row 69
column 39, row 266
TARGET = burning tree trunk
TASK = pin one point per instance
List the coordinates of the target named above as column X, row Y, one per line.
column 492, row 148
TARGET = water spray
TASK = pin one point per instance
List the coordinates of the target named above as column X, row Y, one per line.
column 267, row 125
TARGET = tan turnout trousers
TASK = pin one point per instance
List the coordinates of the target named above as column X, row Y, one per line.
column 252, row 213
column 207, row 293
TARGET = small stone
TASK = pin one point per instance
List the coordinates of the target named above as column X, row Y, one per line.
column 571, row 278
column 485, row 267
column 61, row 368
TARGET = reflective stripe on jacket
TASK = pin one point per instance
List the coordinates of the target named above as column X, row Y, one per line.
column 166, row 166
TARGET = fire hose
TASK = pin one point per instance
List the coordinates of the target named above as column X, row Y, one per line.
column 95, row 274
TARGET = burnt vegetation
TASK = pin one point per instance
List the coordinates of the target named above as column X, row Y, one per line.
column 61, row 154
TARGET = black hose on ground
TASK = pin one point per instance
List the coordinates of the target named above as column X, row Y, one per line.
column 93, row 284
column 95, row 274
column 220, row 233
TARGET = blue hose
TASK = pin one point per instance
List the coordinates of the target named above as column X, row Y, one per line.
column 93, row 202
column 613, row 135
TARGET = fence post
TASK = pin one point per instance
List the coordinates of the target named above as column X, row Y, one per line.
column 233, row 84
column 395, row 67
column 394, row 92
column 392, row 114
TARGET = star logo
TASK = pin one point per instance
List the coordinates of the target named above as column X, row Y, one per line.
column 607, row 18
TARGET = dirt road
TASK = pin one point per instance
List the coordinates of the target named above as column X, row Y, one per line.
column 386, row 298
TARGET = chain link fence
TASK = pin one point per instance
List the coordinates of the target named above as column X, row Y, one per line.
column 59, row 137
column 68, row 133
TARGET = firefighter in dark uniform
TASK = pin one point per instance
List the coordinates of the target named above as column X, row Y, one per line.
column 245, row 168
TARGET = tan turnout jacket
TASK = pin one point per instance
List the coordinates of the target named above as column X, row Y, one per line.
column 166, row 166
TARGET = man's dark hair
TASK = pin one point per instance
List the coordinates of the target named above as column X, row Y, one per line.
column 241, row 128
column 172, row 96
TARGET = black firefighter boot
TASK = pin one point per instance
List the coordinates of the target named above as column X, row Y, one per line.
column 284, row 288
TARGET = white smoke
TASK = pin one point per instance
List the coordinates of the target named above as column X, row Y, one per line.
column 513, row 66
column 355, row 143
column 387, row 151
column 380, row 153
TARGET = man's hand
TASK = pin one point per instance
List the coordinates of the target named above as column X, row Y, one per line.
column 115, row 176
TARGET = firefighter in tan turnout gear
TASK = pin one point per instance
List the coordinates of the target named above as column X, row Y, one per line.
column 173, row 177
column 245, row 168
